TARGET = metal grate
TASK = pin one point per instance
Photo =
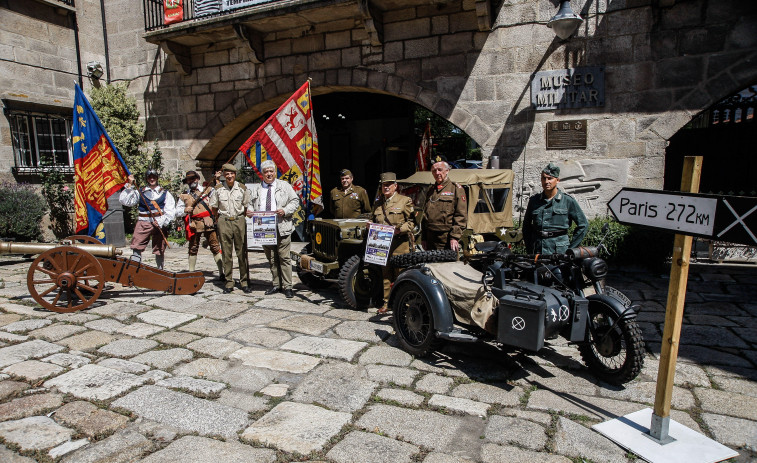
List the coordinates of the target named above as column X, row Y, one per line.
column 326, row 249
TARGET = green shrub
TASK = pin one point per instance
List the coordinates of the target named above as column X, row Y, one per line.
column 629, row 245
column 60, row 201
column 21, row 211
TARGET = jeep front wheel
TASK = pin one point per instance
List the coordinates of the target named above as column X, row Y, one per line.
column 359, row 282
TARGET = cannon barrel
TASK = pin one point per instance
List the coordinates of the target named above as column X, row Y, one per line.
column 101, row 250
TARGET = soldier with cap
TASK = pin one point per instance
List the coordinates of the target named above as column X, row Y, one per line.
column 156, row 211
column 393, row 209
column 349, row 201
column 445, row 210
column 549, row 215
column 199, row 221
column 229, row 206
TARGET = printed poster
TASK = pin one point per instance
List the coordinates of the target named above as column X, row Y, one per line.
column 379, row 243
column 264, row 228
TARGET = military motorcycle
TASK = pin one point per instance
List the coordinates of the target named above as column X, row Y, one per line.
column 519, row 301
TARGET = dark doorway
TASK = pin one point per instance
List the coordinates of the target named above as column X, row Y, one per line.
column 726, row 137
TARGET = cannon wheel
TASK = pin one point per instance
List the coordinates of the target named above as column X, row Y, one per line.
column 65, row 279
column 85, row 239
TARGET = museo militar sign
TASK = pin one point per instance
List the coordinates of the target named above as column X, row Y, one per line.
column 582, row 87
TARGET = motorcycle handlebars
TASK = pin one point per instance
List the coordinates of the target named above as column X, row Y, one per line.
column 498, row 251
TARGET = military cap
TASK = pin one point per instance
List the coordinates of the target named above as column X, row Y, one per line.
column 228, row 168
column 438, row 158
column 552, row 170
column 345, row 172
column 388, row 177
column 190, row 176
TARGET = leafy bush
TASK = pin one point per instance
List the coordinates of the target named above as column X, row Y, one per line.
column 60, row 200
column 21, row 211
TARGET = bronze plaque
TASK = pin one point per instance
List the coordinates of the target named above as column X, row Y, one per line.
column 566, row 134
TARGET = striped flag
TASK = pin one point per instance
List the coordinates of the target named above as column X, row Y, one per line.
column 424, row 151
column 289, row 138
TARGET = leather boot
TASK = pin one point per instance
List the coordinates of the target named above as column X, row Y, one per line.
column 192, row 263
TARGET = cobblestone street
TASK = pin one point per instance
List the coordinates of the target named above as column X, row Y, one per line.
column 143, row 376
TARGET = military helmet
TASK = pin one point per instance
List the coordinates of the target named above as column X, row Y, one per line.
column 151, row 171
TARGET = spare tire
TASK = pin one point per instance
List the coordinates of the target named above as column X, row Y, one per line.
column 423, row 257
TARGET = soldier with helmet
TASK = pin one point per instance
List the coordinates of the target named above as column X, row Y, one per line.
column 156, row 211
column 199, row 221
column 445, row 210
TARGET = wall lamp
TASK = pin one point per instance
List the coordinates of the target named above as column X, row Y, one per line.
column 94, row 69
column 565, row 22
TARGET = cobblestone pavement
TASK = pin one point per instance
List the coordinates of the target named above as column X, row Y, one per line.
column 143, row 376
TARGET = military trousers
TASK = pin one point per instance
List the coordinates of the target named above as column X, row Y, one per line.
column 210, row 235
column 436, row 239
column 280, row 261
column 388, row 273
column 233, row 236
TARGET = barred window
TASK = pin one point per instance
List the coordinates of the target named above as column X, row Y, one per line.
column 40, row 140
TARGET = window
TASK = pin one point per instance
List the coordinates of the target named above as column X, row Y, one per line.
column 40, row 141
column 497, row 197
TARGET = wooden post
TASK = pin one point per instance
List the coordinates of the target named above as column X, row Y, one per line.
column 679, row 276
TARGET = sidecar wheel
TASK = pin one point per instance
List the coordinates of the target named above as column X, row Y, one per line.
column 615, row 355
column 414, row 321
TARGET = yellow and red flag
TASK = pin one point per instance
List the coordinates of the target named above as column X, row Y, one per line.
column 99, row 170
column 289, row 138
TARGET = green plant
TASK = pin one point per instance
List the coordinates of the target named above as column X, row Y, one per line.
column 630, row 245
column 21, row 210
column 60, row 201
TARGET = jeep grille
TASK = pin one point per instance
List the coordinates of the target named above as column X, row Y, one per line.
column 327, row 249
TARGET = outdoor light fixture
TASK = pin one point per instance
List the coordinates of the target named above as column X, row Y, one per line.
column 565, row 22
column 94, row 69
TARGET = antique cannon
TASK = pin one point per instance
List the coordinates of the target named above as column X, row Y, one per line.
column 70, row 275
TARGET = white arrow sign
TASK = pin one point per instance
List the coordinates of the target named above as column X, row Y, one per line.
column 693, row 215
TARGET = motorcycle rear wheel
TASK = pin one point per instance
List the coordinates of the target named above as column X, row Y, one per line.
column 615, row 355
column 414, row 321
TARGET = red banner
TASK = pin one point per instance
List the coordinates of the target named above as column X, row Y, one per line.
column 173, row 11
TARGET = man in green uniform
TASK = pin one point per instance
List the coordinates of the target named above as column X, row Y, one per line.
column 396, row 210
column 229, row 206
column 445, row 211
column 548, row 217
column 349, row 201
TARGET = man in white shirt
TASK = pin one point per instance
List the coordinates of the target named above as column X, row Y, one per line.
column 277, row 195
column 156, row 211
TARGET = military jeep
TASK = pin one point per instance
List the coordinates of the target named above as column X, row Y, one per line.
column 337, row 246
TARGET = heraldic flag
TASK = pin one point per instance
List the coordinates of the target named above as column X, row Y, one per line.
column 422, row 158
column 99, row 170
column 289, row 139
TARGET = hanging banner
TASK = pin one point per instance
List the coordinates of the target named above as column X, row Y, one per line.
column 173, row 11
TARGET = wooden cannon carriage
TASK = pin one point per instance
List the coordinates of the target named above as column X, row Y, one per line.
column 70, row 275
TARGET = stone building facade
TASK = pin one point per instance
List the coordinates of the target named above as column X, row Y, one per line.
column 202, row 84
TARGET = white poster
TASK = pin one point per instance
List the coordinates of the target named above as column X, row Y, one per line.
column 264, row 228
column 379, row 243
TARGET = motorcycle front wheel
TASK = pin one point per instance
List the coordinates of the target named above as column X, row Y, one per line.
column 614, row 351
column 414, row 321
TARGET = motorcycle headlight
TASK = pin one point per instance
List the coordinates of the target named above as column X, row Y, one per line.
column 594, row 267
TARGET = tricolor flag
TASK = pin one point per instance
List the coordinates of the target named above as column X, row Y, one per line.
column 424, row 151
column 290, row 140
column 99, row 170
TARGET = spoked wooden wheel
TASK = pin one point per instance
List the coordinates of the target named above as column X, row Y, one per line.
column 65, row 279
column 84, row 239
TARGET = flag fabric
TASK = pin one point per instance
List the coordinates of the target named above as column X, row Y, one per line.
column 173, row 11
column 290, row 140
column 99, row 170
column 422, row 159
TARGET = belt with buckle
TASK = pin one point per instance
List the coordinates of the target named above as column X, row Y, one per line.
column 149, row 215
column 552, row 234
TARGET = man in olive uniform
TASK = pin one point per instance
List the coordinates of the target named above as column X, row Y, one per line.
column 199, row 220
column 445, row 211
column 548, row 217
column 349, row 201
column 396, row 210
column 229, row 206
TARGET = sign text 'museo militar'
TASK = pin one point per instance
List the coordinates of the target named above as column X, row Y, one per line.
column 582, row 87
column 722, row 218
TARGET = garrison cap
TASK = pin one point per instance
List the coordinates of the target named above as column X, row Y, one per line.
column 345, row 172
column 552, row 170
column 388, row 177
column 228, row 168
column 190, row 176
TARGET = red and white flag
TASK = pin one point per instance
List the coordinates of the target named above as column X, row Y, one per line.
column 422, row 159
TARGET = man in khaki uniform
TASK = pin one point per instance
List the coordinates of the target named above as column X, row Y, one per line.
column 397, row 210
column 445, row 211
column 229, row 205
column 350, row 201
column 199, row 220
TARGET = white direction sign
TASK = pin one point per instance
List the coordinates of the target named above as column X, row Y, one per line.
column 685, row 214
